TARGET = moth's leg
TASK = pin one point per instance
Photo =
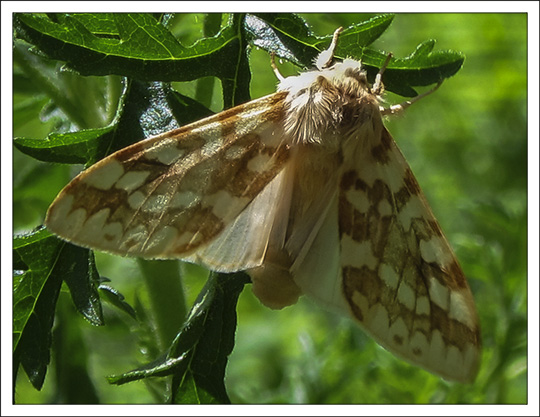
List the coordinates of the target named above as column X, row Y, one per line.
column 325, row 58
column 398, row 108
column 377, row 87
column 275, row 68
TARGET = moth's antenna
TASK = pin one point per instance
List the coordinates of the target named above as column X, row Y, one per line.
column 325, row 58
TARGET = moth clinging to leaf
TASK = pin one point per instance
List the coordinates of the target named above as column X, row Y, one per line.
column 307, row 192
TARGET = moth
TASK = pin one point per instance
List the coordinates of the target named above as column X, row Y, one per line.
column 305, row 190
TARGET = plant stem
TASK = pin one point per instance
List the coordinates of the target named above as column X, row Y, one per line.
column 167, row 298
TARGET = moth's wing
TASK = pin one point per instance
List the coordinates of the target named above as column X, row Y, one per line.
column 170, row 195
column 255, row 241
column 401, row 279
column 318, row 269
column 244, row 242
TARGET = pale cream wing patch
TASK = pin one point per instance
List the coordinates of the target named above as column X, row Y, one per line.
column 168, row 196
column 244, row 242
column 400, row 277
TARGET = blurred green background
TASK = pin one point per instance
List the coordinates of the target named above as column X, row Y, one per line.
column 467, row 145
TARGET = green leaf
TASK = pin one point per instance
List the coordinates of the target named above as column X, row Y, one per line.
column 140, row 47
column 216, row 310
column 35, row 292
column 41, row 262
column 41, row 257
column 193, row 393
column 365, row 33
column 154, row 105
column 197, row 366
column 34, row 256
column 77, row 268
column 288, row 37
column 72, row 101
column 67, row 148
column 116, row 298
column 422, row 67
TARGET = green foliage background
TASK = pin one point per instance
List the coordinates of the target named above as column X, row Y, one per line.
column 467, row 145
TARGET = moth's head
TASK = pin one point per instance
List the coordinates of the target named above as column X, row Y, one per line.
column 348, row 76
column 350, row 68
column 327, row 64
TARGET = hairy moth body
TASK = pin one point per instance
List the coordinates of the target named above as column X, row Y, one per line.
column 304, row 189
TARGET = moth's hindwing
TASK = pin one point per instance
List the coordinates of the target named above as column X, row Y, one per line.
column 166, row 196
column 400, row 277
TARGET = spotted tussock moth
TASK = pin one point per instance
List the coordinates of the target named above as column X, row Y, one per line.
column 307, row 192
